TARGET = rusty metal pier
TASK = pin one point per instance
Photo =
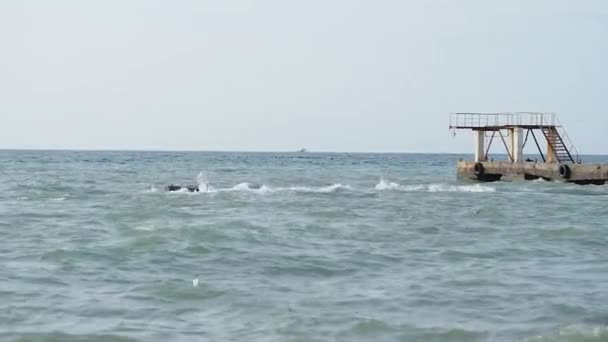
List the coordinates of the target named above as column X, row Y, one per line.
column 559, row 158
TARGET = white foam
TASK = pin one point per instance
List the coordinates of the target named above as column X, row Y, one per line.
column 321, row 190
column 152, row 189
column 333, row 188
column 205, row 187
column 415, row 187
column 384, row 185
column 460, row 188
column 246, row 187
column 265, row 189
column 145, row 228
column 387, row 186
column 240, row 187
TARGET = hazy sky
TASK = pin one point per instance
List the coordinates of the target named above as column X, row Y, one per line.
column 279, row 75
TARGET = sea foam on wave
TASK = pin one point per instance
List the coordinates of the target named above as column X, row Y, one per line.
column 204, row 186
column 460, row 188
column 384, row 185
column 323, row 189
column 246, row 187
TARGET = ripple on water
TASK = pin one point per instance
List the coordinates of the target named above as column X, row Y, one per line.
column 181, row 290
column 366, row 329
column 305, row 269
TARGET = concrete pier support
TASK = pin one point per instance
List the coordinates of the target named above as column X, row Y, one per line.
column 480, row 153
column 517, row 141
column 551, row 153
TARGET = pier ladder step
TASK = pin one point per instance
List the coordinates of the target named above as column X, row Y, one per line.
column 555, row 140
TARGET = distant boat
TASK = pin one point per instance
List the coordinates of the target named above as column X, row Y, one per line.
column 302, row 150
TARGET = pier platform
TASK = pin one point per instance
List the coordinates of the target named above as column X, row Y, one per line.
column 490, row 171
column 559, row 159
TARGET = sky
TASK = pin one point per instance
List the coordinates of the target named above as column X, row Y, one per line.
column 276, row 75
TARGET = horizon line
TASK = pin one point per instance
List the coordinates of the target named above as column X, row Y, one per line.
column 212, row 151
column 241, row 151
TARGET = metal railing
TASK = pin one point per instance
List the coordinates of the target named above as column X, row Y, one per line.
column 480, row 120
column 530, row 120
column 568, row 142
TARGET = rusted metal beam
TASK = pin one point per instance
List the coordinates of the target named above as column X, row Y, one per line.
column 506, row 146
column 490, row 144
column 540, row 150
column 526, row 139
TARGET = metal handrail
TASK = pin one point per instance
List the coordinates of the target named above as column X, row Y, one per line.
column 568, row 142
column 474, row 120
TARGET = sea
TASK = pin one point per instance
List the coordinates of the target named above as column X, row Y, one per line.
column 294, row 247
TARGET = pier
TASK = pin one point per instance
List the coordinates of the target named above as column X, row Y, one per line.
column 557, row 158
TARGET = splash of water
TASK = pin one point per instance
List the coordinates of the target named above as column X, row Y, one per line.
column 384, row 185
column 202, row 181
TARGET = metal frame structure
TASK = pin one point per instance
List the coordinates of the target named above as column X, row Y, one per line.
column 559, row 146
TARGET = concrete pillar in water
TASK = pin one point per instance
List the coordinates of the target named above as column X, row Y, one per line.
column 517, row 141
column 551, row 157
column 480, row 153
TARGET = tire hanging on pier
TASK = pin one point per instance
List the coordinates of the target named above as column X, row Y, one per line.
column 564, row 171
column 478, row 169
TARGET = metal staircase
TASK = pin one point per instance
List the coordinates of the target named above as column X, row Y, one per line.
column 563, row 153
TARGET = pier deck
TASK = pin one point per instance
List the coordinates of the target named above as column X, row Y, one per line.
column 508, row 171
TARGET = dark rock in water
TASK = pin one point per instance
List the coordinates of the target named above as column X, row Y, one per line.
column 173, row 187
column 190, row 188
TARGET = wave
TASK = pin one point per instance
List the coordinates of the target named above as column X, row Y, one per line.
column 242, row 187
column 460, row 188
column 265, row 189
column 57, row 199
column 64, row 336
column 246, row 187
column 575, row 333
column 384, row 186
column 206, row 188
column 321, row 190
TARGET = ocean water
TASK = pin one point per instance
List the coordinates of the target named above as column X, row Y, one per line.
column 294, row 247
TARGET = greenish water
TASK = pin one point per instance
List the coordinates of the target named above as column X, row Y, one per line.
column 294, row 247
